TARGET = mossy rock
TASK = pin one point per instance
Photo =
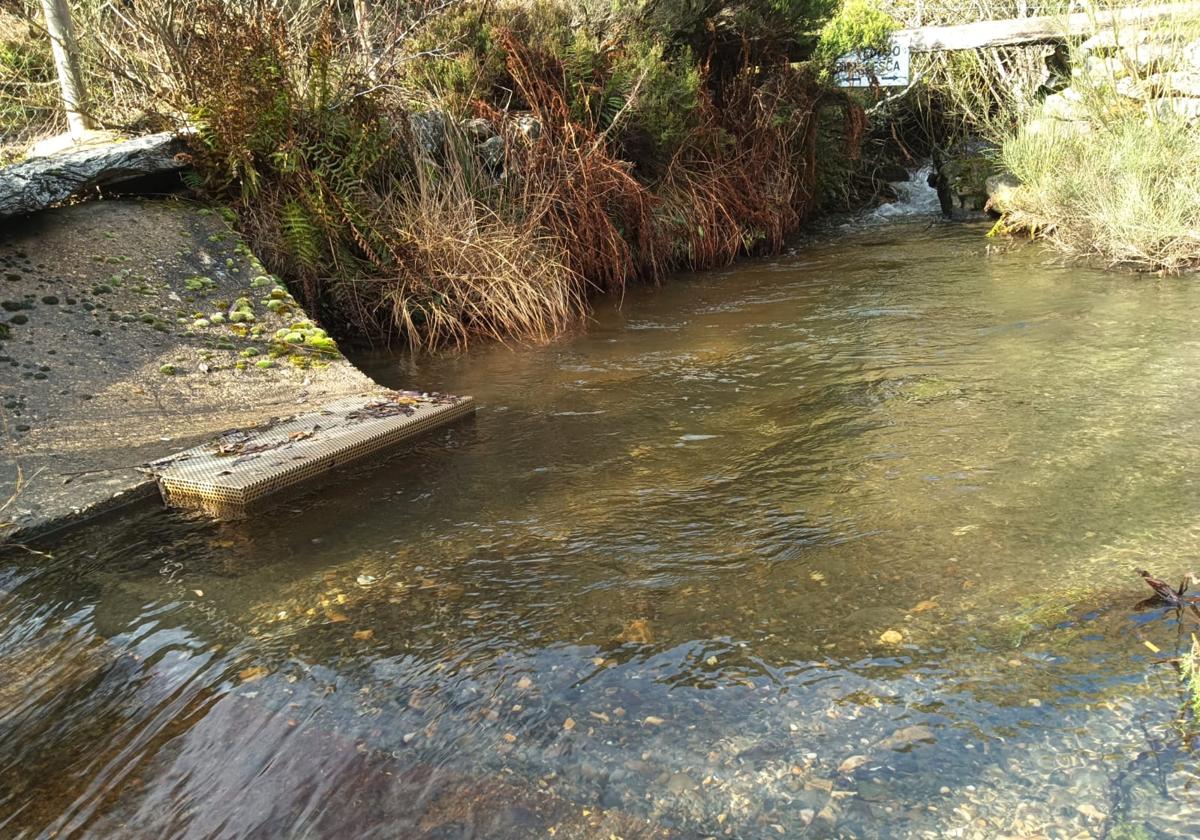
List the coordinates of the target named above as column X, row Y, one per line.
column 962, row 177
column 199, row 284
column 321, row 343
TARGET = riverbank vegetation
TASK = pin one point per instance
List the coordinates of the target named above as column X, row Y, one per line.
column 1100, row 129
column 1108, row 165
column 435, row 172
column 476, row 168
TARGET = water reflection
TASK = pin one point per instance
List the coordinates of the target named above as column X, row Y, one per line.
column 838, row 543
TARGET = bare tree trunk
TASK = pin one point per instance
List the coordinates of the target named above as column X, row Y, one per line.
column 66, row 60
column 362, row 20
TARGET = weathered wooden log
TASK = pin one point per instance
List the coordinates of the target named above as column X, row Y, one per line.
column 1035, row 30
column 42, row 182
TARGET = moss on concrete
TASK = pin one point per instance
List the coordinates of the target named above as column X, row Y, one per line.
column 132, row 364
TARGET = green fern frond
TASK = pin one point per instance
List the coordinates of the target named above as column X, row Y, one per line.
column 300, row 234
column 193, row 180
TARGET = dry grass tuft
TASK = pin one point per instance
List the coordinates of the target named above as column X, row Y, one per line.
column 467, row 273
column 572, row 184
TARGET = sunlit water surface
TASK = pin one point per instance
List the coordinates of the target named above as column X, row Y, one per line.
column 836, row 544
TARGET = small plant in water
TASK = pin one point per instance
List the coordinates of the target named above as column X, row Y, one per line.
column 1189, row 674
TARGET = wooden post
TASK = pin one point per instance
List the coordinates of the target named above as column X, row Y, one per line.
column 66, row 61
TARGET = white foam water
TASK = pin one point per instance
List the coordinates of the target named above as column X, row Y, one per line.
column 914, row 197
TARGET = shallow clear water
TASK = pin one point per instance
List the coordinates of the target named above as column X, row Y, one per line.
column 836, row 544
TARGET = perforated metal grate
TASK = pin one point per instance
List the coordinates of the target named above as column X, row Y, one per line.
column 234, row 472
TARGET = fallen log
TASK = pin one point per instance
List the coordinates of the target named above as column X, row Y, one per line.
column 43, row 182
column 1035, row 30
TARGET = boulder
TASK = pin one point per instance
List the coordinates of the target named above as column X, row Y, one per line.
column 478, row 130
column 1066, row 105
column 1175, row 107
column 491, row 152
column 429, row 132
column 1176, row 83
column 43, row 182
column 1107, row 41
column 1163, row 55
column 1000, row 190
column 1129, row 87
column 1057, row 128
column 1100, row 70
column 528, row 127
column 961, row 177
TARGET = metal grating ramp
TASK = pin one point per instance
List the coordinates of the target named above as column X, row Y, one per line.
column 238, row 469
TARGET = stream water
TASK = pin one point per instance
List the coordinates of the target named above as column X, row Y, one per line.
column 835, row 544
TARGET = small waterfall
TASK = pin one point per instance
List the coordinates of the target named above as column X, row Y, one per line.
column 914, row 197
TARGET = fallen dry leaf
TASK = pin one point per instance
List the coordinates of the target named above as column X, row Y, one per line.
column 637, row 631
column 852, row 763
column 907, row 736
column 251, row 674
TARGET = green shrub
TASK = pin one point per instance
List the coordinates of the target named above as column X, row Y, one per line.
column 753, row 31
column 672, row 134
column 858, row 25
column 667, row 98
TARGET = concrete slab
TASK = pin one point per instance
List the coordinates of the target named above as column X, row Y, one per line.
column 130, row 330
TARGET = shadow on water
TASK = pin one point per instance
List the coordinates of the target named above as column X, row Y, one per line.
column 838, row 543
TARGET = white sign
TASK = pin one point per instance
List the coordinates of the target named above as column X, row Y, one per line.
column 870, row 68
